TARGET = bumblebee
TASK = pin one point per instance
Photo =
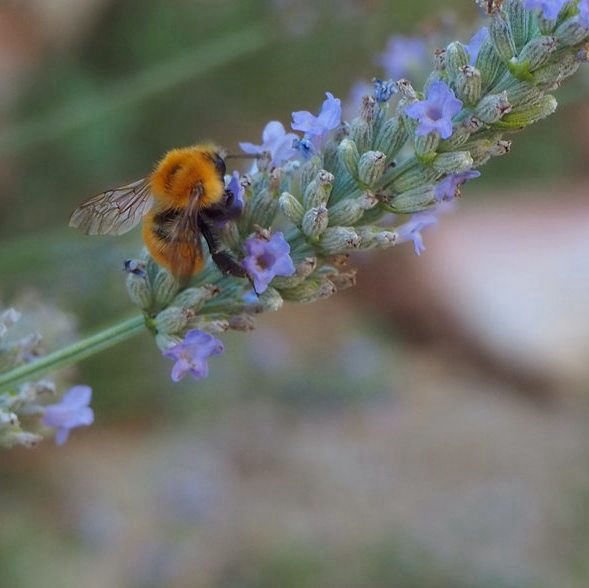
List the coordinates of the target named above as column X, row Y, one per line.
column 182, row 201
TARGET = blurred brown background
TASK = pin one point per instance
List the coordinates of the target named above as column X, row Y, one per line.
column 426, row 429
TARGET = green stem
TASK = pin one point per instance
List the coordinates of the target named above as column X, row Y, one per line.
column 72, row 353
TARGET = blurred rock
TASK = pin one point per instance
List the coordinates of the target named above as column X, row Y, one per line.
column 503, row 285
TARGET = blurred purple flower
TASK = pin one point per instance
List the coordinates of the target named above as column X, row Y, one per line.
column 71, row 411
column 435, row 113
column 411, row 230
column 236, row 190
column 402, row 56
column 584, row 12
column 474, row 45
column 316, row 127
column 266, row 259
column 448, row 187
column 549, row 8
column 192, row 353
column 276, row 141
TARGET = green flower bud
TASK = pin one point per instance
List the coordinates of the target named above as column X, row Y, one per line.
column 338, row 240
column 315, row 222
column 309, row 171
column 492, row 108
column 391, row 137
column 426, row 145
column 139, row 291
column 269, row 301
column 318, row 191
column 413, row 176
column 209, row 325
column 537, row 52
column 571, row 32
column 502, row 37
column 411, row 201
column 194, row 298
column 489, row 64
column 303, row 270
column 376, row 238
column 343, row 280
column 454, row 162
column 310, row 290
column 551, row 76
column 362, row 127
column 262, row 209
column 522, row 93
column 468, row 84
column 519, row 19
column 456, row 58
column 529, row 114
column 230, row 235
column 291, row 208
column 349, row 156
column 165, row 287
column 172, row 320
column 350, row 210
column 371, row 167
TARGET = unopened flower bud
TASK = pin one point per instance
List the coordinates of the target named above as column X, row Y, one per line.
column 165, row 287
column 139, row 291
column 376, row 237
column 456, row 58
column 391, row 137
column 414, row 176
column 350, row 210
column 371, row 167
column 492, row 108
column 453, row 162
column 262, row 208
column 537, row 52
column 519, row 19
column 310, row 290
column 468, row 84
column 172, row 320
column 411, row 201
column 315, row 222
column 165, row 341
column 291, row 208
column 349, row 156
column 426, row 145
column 242, row 322
column 194, row 298
column 529, row 114
column 338, row 240
column 502, row 37
column 270, row 300
column 571, row 32
column 362, row 127
column 489, row 64
column 319, row 190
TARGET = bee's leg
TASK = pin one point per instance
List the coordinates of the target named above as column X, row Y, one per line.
column 222, row 258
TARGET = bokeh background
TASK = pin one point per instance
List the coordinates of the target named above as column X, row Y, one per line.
column 425, row 429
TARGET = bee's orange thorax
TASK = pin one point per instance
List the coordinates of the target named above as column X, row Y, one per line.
column 178, row 173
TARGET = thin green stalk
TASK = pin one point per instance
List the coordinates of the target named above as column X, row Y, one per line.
column 72, row 353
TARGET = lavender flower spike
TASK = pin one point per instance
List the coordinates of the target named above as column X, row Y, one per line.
column 549, row 8
column 449, row 186
column 411, row 230
column 435, row 113
column 71, row 411
column 192, row 353
column 276, row 141
column 328, row 119
column 267, row 258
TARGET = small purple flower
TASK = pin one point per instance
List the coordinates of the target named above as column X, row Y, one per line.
column 411, row 230
column 584, row 12
column 435, row 113
column 316, row 127
column 384, row 90
column 304, row 147
column 474, row 45
column 237, row 192
column 549, row 8
column 448, row 187
column 71, row 411
column 403, row 55
column 192, row 353
column 267, row 258
column 276, row 141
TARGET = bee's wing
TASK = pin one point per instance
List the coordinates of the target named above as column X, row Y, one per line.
column 185, row 243
column 114, row 212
